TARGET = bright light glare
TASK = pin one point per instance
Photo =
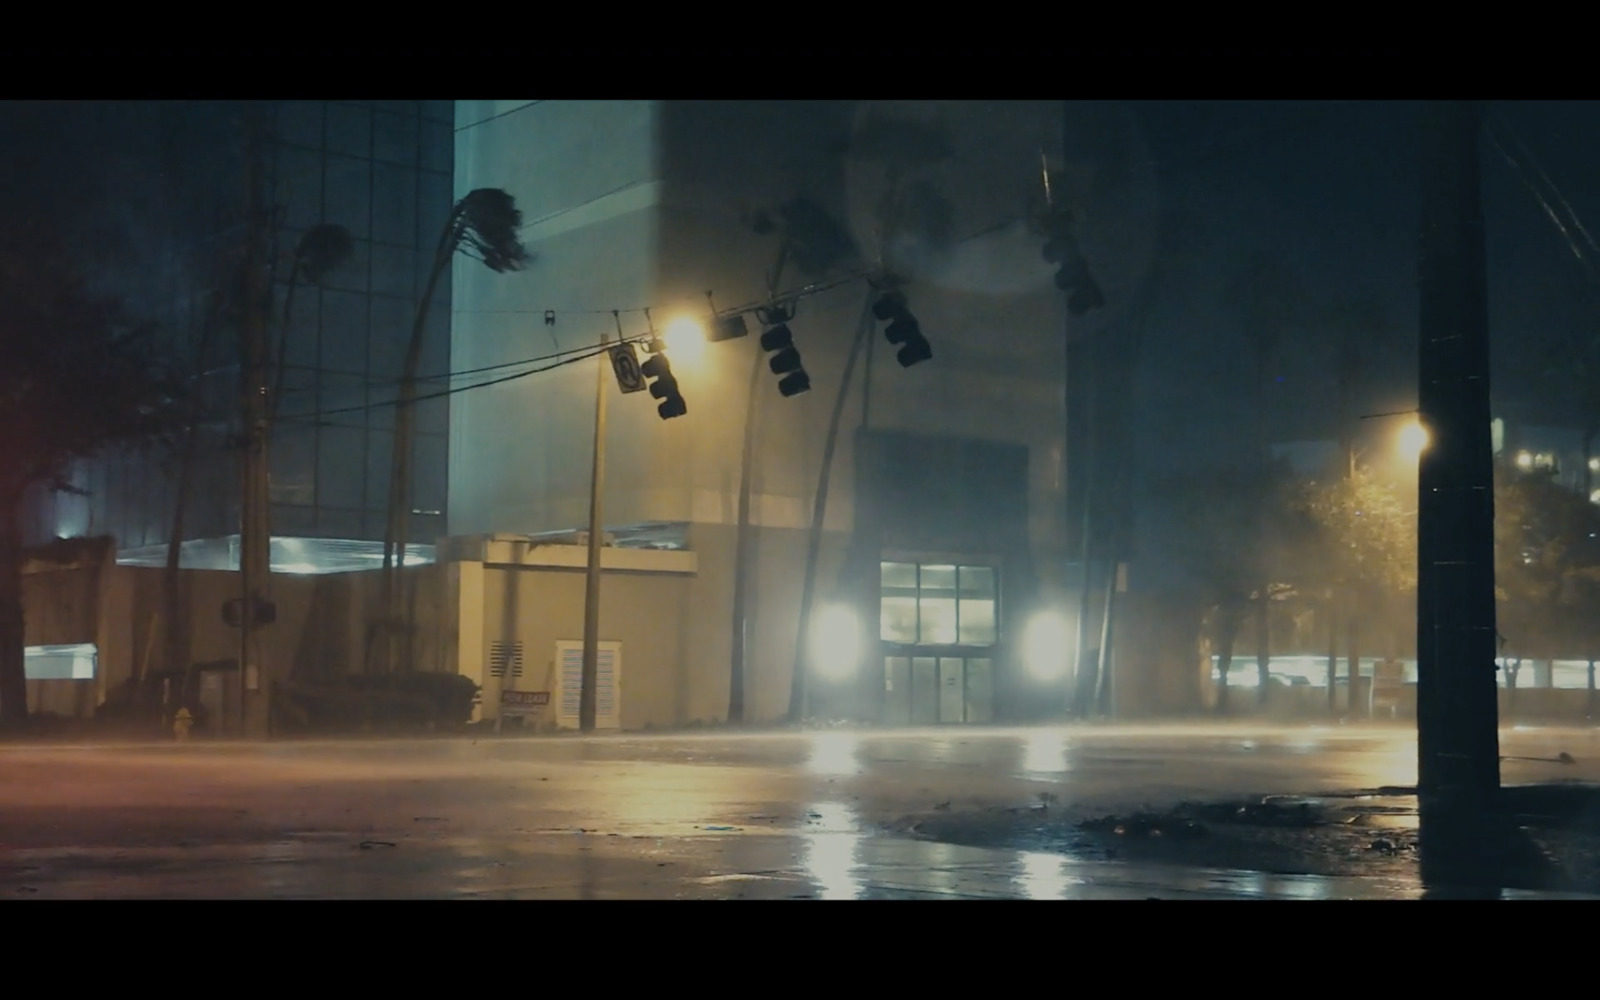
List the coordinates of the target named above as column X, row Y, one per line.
column 685, row 338
column 1524, row 460
column 834, row 754
column 1044, row 646
column 835, row 642
column 1413, row 441
column 833, row 842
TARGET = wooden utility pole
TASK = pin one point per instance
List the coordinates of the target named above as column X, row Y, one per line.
column 591, row 590
column 255, row 542
column 1458, row 759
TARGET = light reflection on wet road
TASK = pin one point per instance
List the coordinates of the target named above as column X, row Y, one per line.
column 817, row 815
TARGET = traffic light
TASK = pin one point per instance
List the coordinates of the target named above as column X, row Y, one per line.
column 1072, row 276
column 779, row 342
column 663, row 385
column 903, row 329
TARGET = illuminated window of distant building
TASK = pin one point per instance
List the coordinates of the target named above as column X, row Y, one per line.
column 938, row 604
column 976, row 610
column 898, row 611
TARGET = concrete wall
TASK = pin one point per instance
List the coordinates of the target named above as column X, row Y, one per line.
column 320, row 630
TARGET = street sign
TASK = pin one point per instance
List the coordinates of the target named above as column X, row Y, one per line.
column 523, row 702
column 625, row 362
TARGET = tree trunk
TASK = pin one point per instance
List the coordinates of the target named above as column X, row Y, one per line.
column 1333, row 662
column 13, row 637
column 1263, row 646
column 1103, row 668
column 1228, row 631
column 1588, row 456
column 799, row 693
column 1353, row 664
column 1085, row 681
column 399, row 512
column 742, row 535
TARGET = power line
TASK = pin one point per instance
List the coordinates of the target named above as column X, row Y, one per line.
column 512, row 111
column 1572, row 214
column 1544, row 203
column 589, row 351
column 593, row 353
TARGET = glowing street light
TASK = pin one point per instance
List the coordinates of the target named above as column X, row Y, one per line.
column 1044, row 646
column 1414, row 440
column 836, row 642
column 685, row 338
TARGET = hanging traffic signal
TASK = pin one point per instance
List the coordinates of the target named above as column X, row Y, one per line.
column 1072, row 276
column 903, row 329
column 779, row 342
column 663, row 385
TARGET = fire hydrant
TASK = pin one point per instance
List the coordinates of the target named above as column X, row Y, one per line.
column 181, row 724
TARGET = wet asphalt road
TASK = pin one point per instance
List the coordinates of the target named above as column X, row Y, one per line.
column 831, row 815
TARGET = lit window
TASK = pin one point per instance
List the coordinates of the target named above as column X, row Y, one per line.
column 898, row 608
column 937, row 605
column 61, row 663
column 975, row 612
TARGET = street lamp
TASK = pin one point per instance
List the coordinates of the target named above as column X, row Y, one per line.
column 685, row 338
column 1414, row 440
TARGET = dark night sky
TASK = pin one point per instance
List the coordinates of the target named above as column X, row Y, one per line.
column 1331, row 189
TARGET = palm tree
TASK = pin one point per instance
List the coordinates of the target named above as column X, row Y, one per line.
column 484, row 225
column 912, row 216
column 76, row 378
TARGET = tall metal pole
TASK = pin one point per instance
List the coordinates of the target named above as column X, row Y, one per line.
column 254, row 530
column 1458, row 759
column 741, row 550
column 591, row 592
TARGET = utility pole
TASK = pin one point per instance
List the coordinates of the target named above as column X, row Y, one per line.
column 1458, row 757
column 591, row 592
column 741, row 551
column 254, row 529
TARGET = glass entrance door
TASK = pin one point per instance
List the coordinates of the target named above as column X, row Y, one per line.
column 938, row 624
column 934, row 690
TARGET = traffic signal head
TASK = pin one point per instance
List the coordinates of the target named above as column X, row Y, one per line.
column 916, row 350
column 903, row 329
column 785, row 360
column 888, row 307
column 664, row 386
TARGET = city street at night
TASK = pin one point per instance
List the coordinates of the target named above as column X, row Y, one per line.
column 1077, row 813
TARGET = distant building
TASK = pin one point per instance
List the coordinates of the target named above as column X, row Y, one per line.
column 944, row 517
column 382, row 169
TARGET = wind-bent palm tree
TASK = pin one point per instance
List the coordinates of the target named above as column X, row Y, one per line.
column 483, row 225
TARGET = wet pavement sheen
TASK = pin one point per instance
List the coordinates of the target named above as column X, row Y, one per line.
column 980, row 814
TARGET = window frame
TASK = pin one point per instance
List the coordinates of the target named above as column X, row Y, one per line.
column 919, row 560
